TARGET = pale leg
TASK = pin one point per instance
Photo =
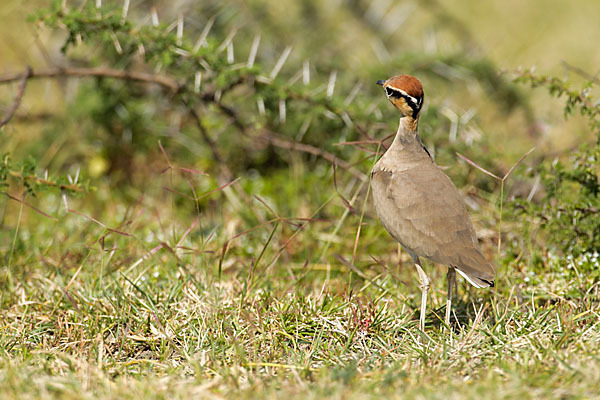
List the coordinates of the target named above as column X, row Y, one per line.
column 451, row 277
column 424, row 289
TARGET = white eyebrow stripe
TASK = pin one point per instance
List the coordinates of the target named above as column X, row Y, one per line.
column 414, row 100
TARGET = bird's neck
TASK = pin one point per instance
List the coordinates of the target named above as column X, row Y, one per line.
column 407, row 135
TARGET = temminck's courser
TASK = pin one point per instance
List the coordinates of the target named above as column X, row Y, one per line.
column 418, row 204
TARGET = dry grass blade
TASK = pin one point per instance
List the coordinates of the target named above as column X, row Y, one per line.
column 346, row 202
column 187, row 232
column 164, row 153
column 358, row 272
column 485, row 171
column 193, row 171
column 98, row 223
column 478, row 318
column 515, row 165
column 29, row 205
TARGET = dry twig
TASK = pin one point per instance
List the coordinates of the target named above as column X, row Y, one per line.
column 17, row 101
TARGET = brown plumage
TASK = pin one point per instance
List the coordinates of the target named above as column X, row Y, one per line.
column 418, row 204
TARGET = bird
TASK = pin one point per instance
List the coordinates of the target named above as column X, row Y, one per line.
column 418, row 204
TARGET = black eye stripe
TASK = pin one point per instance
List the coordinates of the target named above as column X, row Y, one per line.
column 392, row 93
column 412, row 102
column 398, row 95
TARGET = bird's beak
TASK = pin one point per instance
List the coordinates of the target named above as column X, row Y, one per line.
column 380, row 82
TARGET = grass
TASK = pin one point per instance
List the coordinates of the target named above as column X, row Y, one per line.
column 166, row 305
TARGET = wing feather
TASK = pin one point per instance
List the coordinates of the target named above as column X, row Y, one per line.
column 429, row 217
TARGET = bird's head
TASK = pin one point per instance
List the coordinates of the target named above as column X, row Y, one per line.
column 406, row 94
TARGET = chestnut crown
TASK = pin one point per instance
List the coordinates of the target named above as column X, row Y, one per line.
column 405, row 92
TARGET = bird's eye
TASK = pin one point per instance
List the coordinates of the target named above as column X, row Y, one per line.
column 392, row 93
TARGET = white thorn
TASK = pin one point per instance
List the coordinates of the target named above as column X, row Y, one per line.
column 264, row 79
column 396, row 17
column 65, row 202
column 77, row 175
column 230, row 57
column 331, row 84
column 377, row 10
column 154, row 17
column 468, row 116
column 98, row 3
column 282, row 111
column 125, row 11
column 46, row 174
column 202, row 39
column 173, row 25
column 218, row 95
column 227, row 41
column 352, row 94
column 197, row 81
column 306, row 72
column 380, row 50
column 294, row 78
column 304, row 128
column 280, row 62
column 253, row 51
column 534, row 188
column 454, row 121
column 182, row 52
column 116, row 43
column 141, row 50
column 347, row 120
column 179, row 29
column 205, row 65
column 330, row 114
column 141, row 23
column 260, row 103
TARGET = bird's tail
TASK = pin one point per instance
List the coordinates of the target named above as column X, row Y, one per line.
column 475, row 281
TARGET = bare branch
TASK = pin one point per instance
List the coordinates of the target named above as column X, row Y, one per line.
column 161, row 80
column 17, row 101
column 280, row 142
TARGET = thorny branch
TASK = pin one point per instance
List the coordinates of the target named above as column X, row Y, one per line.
column 175, row 87
column 278, row 141
column 46, row 182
